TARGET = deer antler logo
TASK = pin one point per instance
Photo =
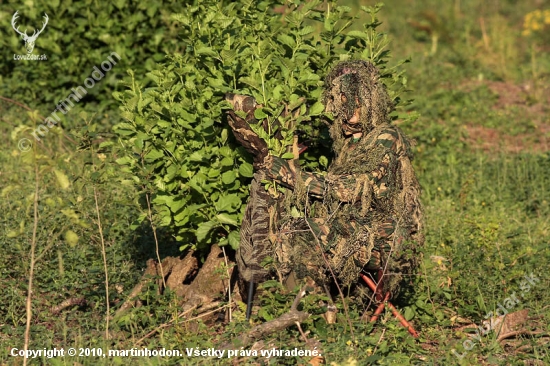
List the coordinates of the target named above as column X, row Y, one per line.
column 29, row 41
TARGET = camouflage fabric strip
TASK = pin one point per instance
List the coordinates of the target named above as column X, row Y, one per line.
column 255, row 245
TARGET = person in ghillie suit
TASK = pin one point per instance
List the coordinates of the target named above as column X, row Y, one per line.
column 364, row 214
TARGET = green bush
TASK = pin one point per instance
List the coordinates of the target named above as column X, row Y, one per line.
column 79, row 36
column 177, row 144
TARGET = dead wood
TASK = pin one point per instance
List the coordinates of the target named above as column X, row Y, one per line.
column 203, row 311
column 195, row 287
column 208, row 285
column 284, row 321
column 262, row 330
column 131, row 302
column 180, row 274
column 80, row 301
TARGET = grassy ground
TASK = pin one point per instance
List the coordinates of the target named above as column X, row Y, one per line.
column 482, row 155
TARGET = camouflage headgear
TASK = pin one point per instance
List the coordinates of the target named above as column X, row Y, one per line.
column 351, row 85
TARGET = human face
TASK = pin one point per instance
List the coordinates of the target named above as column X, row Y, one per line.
column 351, row 126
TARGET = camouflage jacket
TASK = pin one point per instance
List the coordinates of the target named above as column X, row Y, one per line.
column 363, row 181
column 343, row 185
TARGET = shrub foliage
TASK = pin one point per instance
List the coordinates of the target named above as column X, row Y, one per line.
column 80, row 35
column 177, row 143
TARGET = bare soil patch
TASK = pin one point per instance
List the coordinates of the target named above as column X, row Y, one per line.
column 520, row 99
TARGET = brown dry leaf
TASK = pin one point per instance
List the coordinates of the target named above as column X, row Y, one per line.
column 508, row 325
column 330, row 317
column 513, row 324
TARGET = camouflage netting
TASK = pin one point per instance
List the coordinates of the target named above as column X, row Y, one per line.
column 368, row 230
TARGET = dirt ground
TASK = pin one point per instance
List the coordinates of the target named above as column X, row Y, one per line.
column 531, row 104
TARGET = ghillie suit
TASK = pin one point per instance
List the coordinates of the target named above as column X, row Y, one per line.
column 263, row 208
column 359, row 215
column 365, row 213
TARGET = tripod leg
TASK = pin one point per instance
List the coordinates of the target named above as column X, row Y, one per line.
column 380, row 309
column 249, row 299
column 373, row 286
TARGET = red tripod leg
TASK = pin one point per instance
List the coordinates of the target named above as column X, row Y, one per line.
column 402, row 320
column 380, row 308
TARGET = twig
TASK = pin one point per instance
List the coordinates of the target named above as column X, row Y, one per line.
column 331, row 271
column 292, row 317
column 150, row 271
column 150, row 216
column 519, row 332
column 484, row 33
column 31, row 270
column 103, row 254
column 302, row 332
column 105, row 268
column 210, row 306
column 267, row 328
column 396, row 313
column 228, row 282
column 379, row 340
column 30, row 110
column 51, row 243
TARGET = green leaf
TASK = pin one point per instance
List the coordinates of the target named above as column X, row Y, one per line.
column 124, row 160
column 106, row 144
column 328, row 25
column 153, row 155
column 287, row 40
column 323, row 161
column 227, row 219
column 246, row 170
column 196, row 156
column 409, row 313
column 204, row 229
column 358, row 34
column 260, row 114
column 228, row 56
column 227, row 162
column 234, row 239
column 208, row 51
column 229, row 177
column 177, row 205
column 13, row 234
column 306, row 30
column 264, row 314
column 316, row 109
column 288, row 155
column 230, row 203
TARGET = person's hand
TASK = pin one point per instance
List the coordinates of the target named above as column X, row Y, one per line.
column 242, row 131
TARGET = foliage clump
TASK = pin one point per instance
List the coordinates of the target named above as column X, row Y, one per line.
column 177, row 142
column 79, row 36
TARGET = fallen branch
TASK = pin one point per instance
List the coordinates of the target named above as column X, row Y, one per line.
column 80, row 301
column 128, row 304
column 284, row 321
column 259, row 331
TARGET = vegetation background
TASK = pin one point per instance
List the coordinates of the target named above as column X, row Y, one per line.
column 479, row 76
